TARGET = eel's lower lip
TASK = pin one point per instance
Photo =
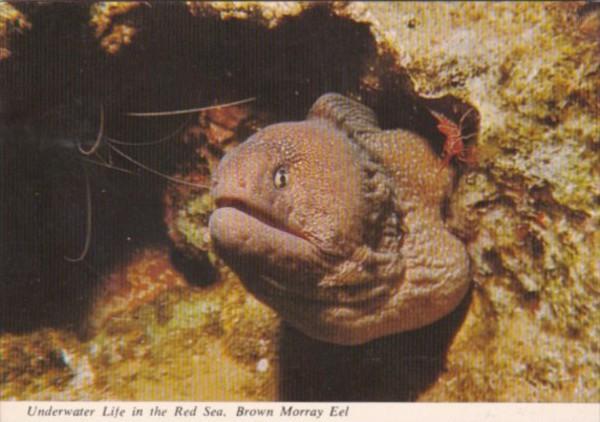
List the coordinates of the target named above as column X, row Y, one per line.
column 256, row 213
column 260, row 241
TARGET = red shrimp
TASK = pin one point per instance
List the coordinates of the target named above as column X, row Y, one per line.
column 454, row 144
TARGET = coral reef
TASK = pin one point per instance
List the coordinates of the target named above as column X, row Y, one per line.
column 12, row 22
column 185, row 343
column 530, row 208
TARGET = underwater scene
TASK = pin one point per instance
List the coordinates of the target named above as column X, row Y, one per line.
column 300, row 201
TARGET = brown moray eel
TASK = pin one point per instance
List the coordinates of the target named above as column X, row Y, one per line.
column 337, row 224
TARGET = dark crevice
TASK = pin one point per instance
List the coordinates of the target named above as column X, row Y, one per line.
column 394, row 368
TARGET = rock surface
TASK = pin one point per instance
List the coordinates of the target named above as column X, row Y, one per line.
column 529, row 208
column 214, row 343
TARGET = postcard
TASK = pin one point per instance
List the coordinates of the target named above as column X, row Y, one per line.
column 299, row 210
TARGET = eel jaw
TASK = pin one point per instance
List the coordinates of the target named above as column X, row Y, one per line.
column 249, row 236
column 284, row 270
column 274, row 260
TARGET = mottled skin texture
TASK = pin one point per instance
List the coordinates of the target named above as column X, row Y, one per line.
column 350, row 244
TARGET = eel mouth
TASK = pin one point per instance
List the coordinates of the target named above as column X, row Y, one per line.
column 261, row 222
column 249, row 235
column 259, row 214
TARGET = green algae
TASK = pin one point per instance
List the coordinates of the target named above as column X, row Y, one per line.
column 181, row 341
column 191, row 223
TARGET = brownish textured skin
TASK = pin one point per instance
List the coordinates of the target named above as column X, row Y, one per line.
column 354, row 247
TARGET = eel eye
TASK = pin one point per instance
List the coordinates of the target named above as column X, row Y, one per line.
column 280, row 178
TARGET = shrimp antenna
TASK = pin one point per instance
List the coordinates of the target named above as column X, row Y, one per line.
column 96, row 145
column 189, row 110
column 156, row 172
column 88, row 222
column 462, row 119
column 155, row 142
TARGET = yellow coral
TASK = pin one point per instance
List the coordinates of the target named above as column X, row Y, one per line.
column 11, row 21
